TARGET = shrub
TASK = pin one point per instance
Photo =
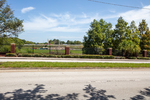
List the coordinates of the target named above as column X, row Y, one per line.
column 54, row 56
column 19, row 55
column 44, row 55
column 5, row 48
column 118, row 57
column 27, row 55
column 37, row 55
column 67, row 56
column 146, row 58
column 11, row 55
column 132, row 58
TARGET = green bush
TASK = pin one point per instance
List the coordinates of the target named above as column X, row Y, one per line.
column 75, row 56
column 27, row 55
column 44, row 55
column 53, row 56
column 37, row 55
column 19, row 55
column 11, row 55
column 5, row 48
column 118, row 57
column 132, row 58
column 67, row 56
column 145, row 58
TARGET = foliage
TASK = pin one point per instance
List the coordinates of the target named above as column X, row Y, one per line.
column 94, row 39
column 143, row 27
column 145, row 58
column 9, row 23
column 11, row 55
column 5, row 43
column 129, row 47
column 145, row 41
column 56, row 41
column 132, row 58
column 133, row 33
column 5, row 48
column 119, row 32
column 107, row 31
column 69, row 56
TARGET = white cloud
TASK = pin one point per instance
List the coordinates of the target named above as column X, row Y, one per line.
column 59, row 22
column 67, row 22
column 137, row 15
column 24, row 10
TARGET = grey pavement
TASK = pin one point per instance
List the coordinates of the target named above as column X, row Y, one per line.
column 40, row 59
column 75, row 84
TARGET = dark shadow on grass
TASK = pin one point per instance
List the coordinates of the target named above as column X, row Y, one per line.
column 96, row 94
column 35, row 94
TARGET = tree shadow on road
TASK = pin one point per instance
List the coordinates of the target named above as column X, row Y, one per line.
column 96, row 94
column 145, row 92
column 91, row 94
column 35, row 94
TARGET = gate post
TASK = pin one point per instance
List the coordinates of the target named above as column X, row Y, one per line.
column 12, row 47
column 67, row 50
column 109, row 51
column 144, row 53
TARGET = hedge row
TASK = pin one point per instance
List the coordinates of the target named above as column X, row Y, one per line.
column 62, row 56
column 73, row 56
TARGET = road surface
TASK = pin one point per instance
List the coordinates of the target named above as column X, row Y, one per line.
column 75, row 84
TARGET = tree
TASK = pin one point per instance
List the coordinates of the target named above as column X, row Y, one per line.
column 93, row 42
column 9, row 23
column 129, row 48
column 145, row 41
column 119, row 32
column 133, row 34
column 143, row 27
column 107, row 31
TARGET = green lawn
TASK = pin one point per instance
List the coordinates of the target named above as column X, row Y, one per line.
column 71, row 65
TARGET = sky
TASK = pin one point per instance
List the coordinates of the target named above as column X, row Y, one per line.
column 70, row 19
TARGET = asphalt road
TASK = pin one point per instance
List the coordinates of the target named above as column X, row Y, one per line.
column 75, row 84
column 37, row 59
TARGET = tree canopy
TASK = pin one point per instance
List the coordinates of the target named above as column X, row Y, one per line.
column 127, row 37
column 94, row 39
column 8, row 22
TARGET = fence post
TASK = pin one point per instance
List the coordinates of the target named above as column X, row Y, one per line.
column 144, row 53
column 49, row 49
column 67, row 50
column 109, row 51
column 12, row 47
column 33, row 49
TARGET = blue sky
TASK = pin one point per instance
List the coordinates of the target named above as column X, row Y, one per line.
column 70, row 19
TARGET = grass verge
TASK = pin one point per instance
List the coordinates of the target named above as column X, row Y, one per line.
column 71, row 65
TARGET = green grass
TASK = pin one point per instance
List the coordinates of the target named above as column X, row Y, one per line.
column 25, row 50
column 71, row 65
column 75, row 51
